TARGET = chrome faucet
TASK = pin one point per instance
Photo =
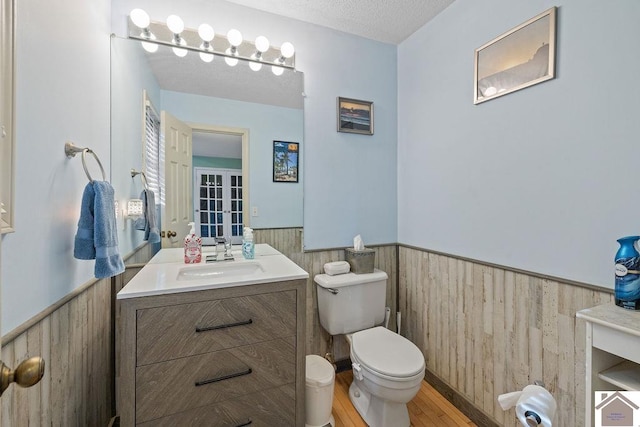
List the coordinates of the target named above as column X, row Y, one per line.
column 223, row 245
column 227, row 249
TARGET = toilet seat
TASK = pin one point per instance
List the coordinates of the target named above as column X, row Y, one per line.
column 387, row 354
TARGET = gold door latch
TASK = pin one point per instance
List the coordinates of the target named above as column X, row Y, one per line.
column 28, row 373
column 168, row 234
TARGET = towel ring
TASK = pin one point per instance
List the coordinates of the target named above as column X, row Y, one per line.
column 71, row 150
column 143, row 177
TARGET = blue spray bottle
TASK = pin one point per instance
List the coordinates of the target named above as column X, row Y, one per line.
column 627, row 279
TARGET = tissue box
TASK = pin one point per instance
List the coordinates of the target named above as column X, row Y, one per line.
column 361, row 262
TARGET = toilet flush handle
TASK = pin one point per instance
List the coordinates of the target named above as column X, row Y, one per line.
column 357, row 371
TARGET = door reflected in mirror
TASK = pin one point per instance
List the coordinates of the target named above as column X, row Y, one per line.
column 216, row 102
column 218, row 186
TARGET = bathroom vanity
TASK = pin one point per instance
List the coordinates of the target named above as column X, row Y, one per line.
column 216, row 344
column 612, row 352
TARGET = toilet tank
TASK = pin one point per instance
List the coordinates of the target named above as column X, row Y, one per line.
column 351, row 302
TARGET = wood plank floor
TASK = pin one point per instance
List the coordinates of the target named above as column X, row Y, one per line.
column 428, row 408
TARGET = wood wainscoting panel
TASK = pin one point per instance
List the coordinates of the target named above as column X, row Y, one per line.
column 75, row 339
column 75, row 343
column 486, row 330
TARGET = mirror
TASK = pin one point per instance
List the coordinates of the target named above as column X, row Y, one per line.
column 216, row 101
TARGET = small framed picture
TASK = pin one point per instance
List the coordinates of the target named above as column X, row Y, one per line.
column 355, row 116
column 285, row 161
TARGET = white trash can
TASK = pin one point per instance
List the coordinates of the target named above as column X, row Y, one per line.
column 320, row 378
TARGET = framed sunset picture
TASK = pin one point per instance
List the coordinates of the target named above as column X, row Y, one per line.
column 355, row 116
column 521, row 57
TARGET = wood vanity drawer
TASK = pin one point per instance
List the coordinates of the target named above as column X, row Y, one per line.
column 273, row 407
column 170, row 332
column 191, row 382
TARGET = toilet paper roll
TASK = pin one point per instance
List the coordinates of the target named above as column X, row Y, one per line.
column 535, row 406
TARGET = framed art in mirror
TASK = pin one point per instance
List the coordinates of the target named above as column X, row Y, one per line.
column 285, row 161
column 355, row 116
column 521, row 57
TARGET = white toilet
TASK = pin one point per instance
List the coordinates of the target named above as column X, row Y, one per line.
column 388, row 369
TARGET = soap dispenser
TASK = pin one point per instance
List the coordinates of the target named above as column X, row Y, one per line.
column 192, row 246
column 248, row 247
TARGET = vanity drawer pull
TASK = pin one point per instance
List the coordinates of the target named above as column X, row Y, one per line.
column 224, row 377
column 226, row 325
column 248, row 422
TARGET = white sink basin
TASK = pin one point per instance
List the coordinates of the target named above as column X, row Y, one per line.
column 167, row 273
column 219, row 271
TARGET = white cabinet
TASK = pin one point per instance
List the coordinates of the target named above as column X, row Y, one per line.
column 612, row 353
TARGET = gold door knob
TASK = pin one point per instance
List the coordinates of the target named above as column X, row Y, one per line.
column 28, row 373
column 171, row 233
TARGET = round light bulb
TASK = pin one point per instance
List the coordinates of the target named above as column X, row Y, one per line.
column 175, row 24
column 205, row 31
column 235, row 37
column 287, row 50
column 255, row 66
column 231, row 62
column 140, row 18
column 206, row 57
column 178, row 51
column 262, row 44
column 149, row 47
column 277, row 70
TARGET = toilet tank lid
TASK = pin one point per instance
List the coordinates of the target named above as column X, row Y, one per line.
column 349, row 279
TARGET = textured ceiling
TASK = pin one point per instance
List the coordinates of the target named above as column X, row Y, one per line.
column 389, row 21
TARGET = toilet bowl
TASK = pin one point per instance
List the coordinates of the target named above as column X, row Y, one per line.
column 388, row 371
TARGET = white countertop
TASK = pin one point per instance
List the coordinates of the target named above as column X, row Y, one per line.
column 614, row 317
column 160, row 275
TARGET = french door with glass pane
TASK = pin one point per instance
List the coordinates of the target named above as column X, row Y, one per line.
column 218, row 204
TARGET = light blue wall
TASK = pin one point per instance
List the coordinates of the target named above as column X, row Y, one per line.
column 543, row 179
column 349, row 180
column 62, row 94
column 279, row 205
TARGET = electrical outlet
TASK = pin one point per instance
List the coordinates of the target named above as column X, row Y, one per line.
column 254, row 211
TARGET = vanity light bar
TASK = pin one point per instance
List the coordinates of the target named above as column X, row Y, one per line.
column 158, row 33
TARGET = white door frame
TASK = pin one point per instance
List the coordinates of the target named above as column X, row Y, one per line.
column 244, row 133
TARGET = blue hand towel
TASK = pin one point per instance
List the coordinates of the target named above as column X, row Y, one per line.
column 108, row 259
column 83, row 246
column 152, row 233
column 140, row 223
column 97, row 236
column 147, row 222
